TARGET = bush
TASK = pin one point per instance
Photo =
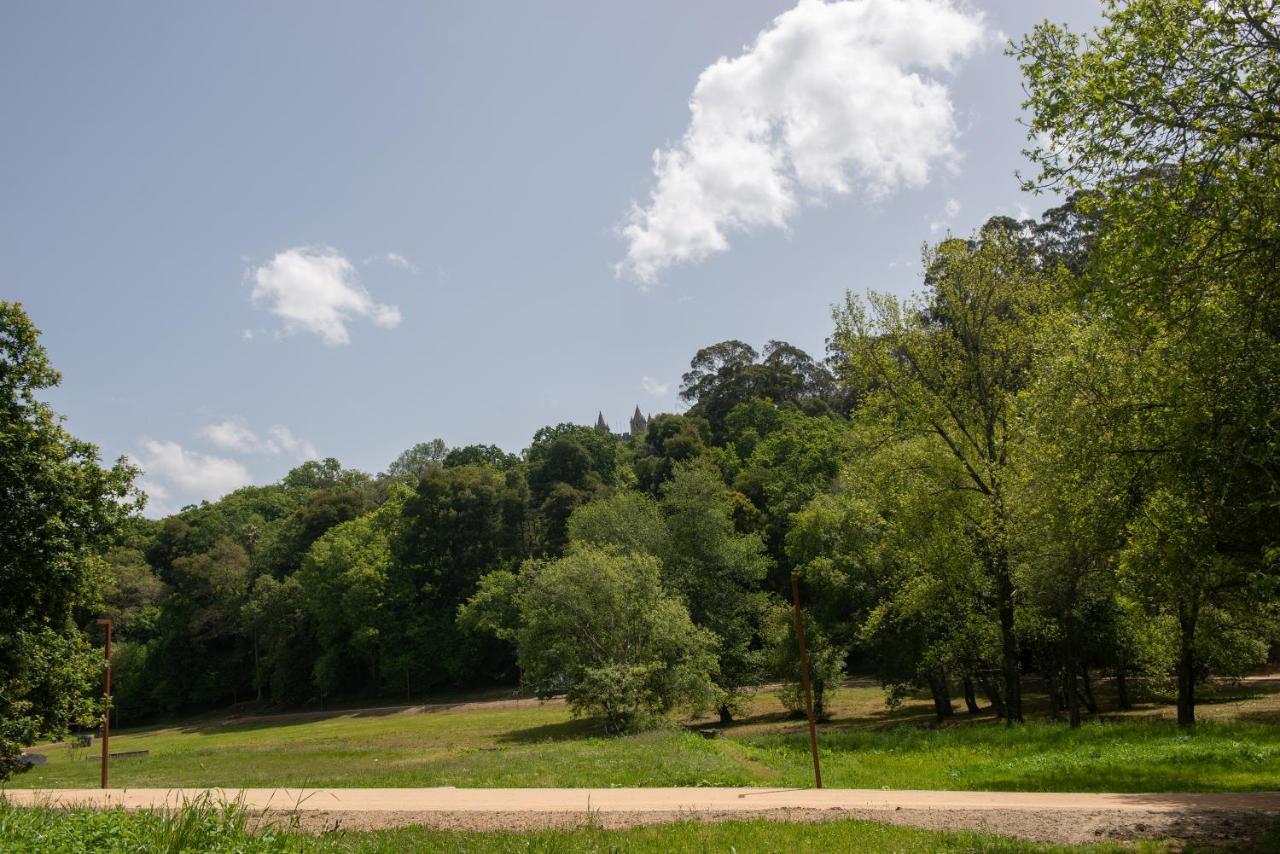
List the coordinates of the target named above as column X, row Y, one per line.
column 598, row 624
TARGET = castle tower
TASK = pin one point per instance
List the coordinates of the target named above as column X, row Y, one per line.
column 601, row 426
column 639, row 424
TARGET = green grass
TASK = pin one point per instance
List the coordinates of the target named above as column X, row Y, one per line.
column 540, row 745
column 209, row 828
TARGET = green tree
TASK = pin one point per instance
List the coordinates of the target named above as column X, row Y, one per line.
column 717, row 572
column 725, row 375
column 344, row 583
column 58, row 507
column 950, row 366
column 418, row 460
column 597, row 625
column 459, row 524
column 1165, row 116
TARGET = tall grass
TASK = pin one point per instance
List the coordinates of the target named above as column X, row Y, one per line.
column 218, row 828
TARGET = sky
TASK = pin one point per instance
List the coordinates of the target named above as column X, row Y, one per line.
column 258, row 233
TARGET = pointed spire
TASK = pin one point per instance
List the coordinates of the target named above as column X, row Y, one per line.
column 600, row 423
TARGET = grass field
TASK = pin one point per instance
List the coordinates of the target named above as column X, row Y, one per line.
column 209, row 829
column 1237, row 748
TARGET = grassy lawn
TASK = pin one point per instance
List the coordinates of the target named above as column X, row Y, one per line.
column 865, row 745
column 213, row 830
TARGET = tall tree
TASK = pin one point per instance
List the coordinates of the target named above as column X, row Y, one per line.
column 1166, row 115
column 58, row 507
column 950, row 366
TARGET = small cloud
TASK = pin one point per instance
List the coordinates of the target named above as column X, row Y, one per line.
column 230, row 434
column 394, row 259
column 651, row 386
column 316, row 289
column 949, row 211
column 171, row 473
column 234, row 434
column 283, row 441
column 246, row 334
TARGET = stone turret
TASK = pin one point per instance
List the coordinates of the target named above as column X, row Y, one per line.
column 639, row 424
column 601, row 426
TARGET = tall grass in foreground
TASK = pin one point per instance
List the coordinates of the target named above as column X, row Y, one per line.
column 206, row 826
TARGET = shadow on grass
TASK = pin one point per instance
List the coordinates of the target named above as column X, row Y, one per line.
column 570, row 730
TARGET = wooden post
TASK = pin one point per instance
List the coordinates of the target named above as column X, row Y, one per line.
column 106, row 705
column 804, row 680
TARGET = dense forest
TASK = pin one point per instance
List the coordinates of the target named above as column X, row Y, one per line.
column 1059, row 461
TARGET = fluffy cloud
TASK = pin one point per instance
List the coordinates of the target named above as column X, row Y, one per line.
column 651, row 386
column 832, row 97
column 949, row 211
column 173, row 473
column 233, row 434
column 315, row 289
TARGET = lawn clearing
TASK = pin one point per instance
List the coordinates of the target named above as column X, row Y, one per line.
column 532, row 744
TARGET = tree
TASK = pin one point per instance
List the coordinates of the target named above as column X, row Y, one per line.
column 58, row 507
column 669, row 441
column 628, row 521
column 717, row 572
column 459, row 524
column 1165, row 116
column 344, row 583
column 950, row 366
column 727, row 374
column 418, row 460
column 597, row 625
column 490, row 455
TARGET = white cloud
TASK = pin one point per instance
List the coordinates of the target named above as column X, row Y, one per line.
column 234, row 434
column 830, row 98
column 949, row 211
column 246, row 334
column 653, row 387
column 283, row 441
column 394, row 259
column 230, row 434
column 171, row 472
column 315, row 289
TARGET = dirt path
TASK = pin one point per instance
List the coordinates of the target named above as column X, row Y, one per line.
column 1048, row 817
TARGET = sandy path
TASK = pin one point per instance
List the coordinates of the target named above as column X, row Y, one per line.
column 1050, row 817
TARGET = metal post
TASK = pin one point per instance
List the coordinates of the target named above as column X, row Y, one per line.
column 106, row 706
column 804, row 680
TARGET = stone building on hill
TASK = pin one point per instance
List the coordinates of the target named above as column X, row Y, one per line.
column 639, row 424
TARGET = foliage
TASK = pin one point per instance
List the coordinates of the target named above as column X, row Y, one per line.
column 597, row 625
column 58, row 508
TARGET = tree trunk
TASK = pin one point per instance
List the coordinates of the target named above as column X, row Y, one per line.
column 1122, row 689
column 941, row 692
column 1009, row 663
column 726, row 716
column 1090, row 701
column 1187, row 669
column 819, row 712
column 993, row 696
column 257, row 671
column 1054, row 685
column 1073, row 696
column 970, row 699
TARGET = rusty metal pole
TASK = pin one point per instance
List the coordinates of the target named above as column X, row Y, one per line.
column 804, row 680
column 106, row 706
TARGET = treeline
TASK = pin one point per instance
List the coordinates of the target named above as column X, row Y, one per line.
column 1062, row 459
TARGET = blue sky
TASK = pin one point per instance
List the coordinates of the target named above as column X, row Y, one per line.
column 253, row 232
